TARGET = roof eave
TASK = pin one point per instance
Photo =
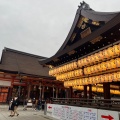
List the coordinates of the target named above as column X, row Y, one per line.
column 113, row 22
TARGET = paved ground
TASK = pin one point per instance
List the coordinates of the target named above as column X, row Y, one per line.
column 23, row 115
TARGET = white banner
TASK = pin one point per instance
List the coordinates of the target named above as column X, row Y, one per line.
column 63, row 112
column 49, row 109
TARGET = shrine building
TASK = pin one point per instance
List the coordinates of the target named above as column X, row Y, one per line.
column 89, row 58
column 22, row 76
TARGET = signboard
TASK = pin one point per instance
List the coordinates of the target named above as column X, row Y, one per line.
column 107, row 115
column 86, row 32
column 29, row 104
column 63, row 112
column 5, row 83
column 49, row 109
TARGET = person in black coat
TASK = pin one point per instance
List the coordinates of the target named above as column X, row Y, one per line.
column 25, row 104
column 39, row 104
column 11, row 107
column 16, row 104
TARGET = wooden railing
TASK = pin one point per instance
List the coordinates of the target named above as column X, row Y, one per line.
column 107, row 104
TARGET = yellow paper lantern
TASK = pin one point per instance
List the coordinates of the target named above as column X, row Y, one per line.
column 118, row 76
column 102, row 77
column 75, row 65
column 115, row 77
column 92, row 69
column 96, row 79
column 85, row 71
column 84, row 61
column 101, row 55
column 95, row 68
column 110, row 52
column 79, row 64
column 105, row 54
column 103, row 66
column 106, row 78
column 92, row 59
column 76, row 73
column 110, row 77
column 112, row 63
column 108, row 65
column 116, row 50
column 90, row 80
column 96, row 57
column 86, row 81
column 117, row 62
column 88, row 60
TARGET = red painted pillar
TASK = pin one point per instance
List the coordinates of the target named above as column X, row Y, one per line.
column 10, row 93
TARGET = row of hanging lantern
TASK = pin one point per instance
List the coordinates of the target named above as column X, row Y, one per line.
column 64, row 68
column 69, row 75
column 94, row 80
column 108, row 53
column 96, row 89
column 113, row 63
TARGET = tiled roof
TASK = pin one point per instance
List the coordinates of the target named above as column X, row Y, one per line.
column 21, row 62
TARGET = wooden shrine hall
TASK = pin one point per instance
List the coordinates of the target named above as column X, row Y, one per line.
column 21, row 75
column 89, row 59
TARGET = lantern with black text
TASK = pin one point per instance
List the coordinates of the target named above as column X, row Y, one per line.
column 110, row 52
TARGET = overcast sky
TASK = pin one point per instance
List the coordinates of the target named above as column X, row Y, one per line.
column 41, row 26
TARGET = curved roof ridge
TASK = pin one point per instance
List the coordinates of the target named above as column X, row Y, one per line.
column 85, row 11
column 24, row 53
column 98, row 16
column 103, row 13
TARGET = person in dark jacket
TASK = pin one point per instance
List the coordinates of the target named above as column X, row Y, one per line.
column 33, row 103
column 25, row 104
column 39, row 104
column 16, row 104
column 11, row 107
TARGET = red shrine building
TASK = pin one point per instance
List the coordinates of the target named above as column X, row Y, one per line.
column 21, row 75
column 89, row 59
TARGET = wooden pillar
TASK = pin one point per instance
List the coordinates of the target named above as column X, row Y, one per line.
column 10, row 93
column 29, row 89
column 43, row 92
column 85, row 91
column 90, row 91
column 66, row 93
column 106, row 90
column 71, row 92
column 57, row 92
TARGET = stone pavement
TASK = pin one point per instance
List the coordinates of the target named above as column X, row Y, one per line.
column 23, row 115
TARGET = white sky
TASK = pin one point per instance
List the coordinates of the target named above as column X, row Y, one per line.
column 41, row 26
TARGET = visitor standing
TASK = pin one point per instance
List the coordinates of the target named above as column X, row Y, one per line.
column 25, row 104
column 11, row 108
column 33, row 103
column 16, row 104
